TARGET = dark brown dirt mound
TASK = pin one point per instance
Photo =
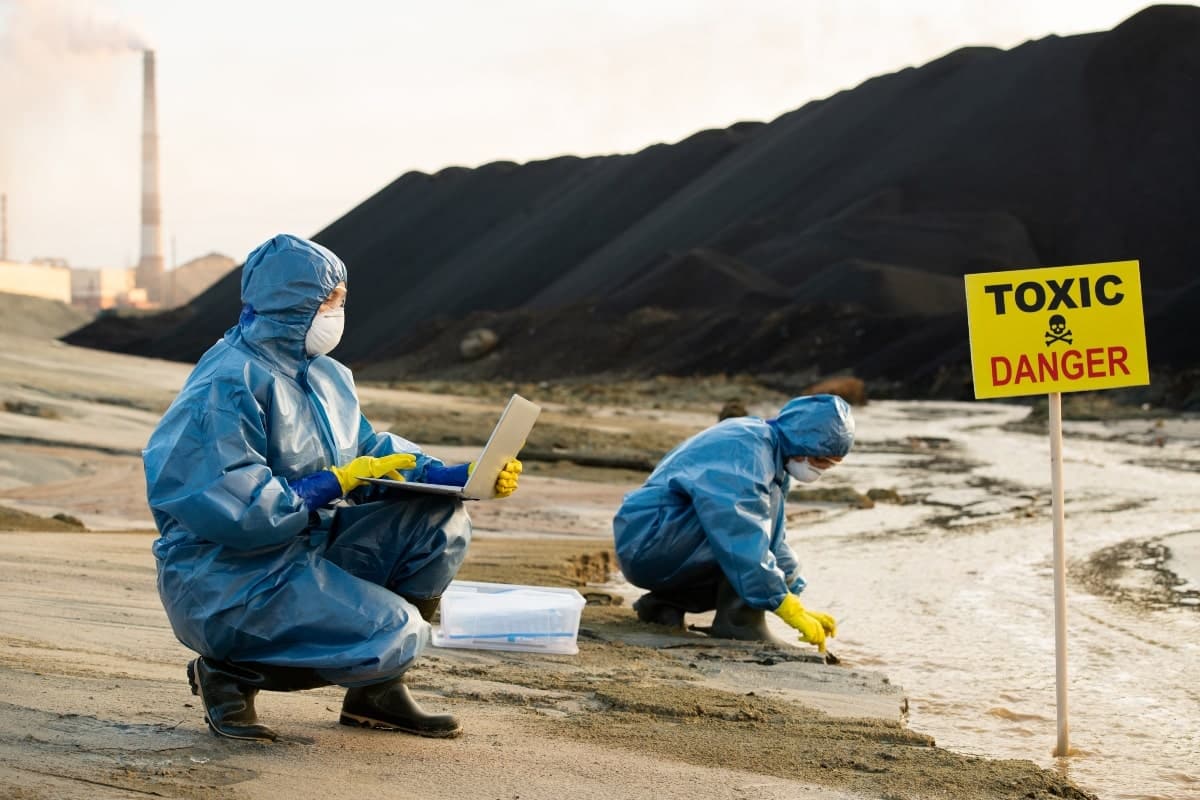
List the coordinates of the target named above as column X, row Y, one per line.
column 873, row 202
column 883, row 288
column 693, row 279
column 806, row 342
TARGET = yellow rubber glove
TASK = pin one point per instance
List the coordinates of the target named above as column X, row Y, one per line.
column 506, row 481
column 813, row 626
column 828, row 623
column 351, row 476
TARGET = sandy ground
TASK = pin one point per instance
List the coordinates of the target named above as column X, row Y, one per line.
column 95, row 703
column 96, row 706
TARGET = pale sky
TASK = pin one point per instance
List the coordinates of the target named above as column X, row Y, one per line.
column 282, row 115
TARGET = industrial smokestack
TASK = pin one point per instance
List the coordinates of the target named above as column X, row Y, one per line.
column 150, row 267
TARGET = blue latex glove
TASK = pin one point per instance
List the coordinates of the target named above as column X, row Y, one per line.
column 318, row 489
column 506, row 481
column 323, row 487
column 448, row 476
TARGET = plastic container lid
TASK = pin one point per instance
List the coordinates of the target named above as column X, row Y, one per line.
column 501, row 616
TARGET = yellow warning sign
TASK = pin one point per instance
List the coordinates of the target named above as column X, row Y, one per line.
column 1058, row 329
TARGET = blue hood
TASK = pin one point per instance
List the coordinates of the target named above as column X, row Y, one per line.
column 817, row 425
column 715, row 504
column 284, row 282
column 245, row 569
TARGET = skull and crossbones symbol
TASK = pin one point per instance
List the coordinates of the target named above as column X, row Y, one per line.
column 1058, row 330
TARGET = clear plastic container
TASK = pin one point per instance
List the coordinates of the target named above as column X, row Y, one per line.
column 503, row 616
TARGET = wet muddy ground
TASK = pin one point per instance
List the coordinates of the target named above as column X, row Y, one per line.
column 96, row 704
column 927, row 546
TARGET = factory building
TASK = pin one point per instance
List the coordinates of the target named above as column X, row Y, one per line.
column 149, row 284
column 51, row 281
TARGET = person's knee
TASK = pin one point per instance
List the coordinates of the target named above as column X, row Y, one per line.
column 423, row 524
column 395, row 648
column 641, row 571
column 447, row 514
column 450, row 527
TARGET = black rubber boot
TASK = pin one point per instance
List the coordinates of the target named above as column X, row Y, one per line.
column 428, row 606
column 653, row 609
column 228, row 690
column 736, row 620
column 228, row 706
column 389, row 706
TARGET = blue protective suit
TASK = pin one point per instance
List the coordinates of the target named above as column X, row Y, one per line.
column 246, row 571
column 715, row 504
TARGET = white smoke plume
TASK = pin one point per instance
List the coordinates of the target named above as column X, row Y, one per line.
column 66, row 68
column 32, row 27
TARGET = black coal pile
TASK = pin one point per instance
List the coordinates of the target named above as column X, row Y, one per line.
column 832, row 239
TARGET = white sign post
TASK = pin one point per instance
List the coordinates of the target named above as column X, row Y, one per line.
column 1061, row 329
column 1060, row 574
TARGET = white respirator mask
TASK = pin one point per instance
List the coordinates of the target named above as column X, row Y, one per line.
column 325, row 331
column 803, row 471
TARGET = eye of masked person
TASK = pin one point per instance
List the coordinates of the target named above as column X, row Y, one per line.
column 336, row 299
column 824, row 462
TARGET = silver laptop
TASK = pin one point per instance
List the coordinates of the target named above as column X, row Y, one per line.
column 506, row 441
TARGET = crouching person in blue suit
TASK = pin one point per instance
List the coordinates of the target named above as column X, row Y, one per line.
column 706, row 529
column 276, row 562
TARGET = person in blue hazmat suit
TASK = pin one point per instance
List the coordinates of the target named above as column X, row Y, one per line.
column 277, row 563
column 706, row 529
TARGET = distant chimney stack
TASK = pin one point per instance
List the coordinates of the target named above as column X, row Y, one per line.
column 150, row 267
